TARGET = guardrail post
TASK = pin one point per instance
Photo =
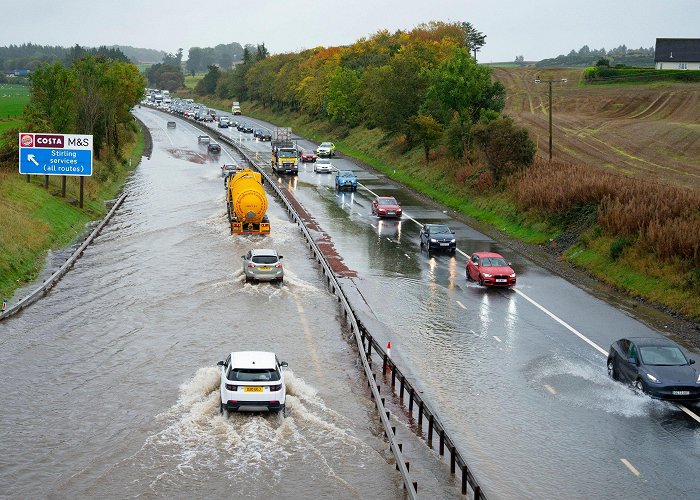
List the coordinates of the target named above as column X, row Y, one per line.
column 431, row 422
column 384, row 364
column 403, row 380
column 477, row 492
column 452, row 459
column 442, row 442
column 420, row 413
column 464, row 479
column 410, row 401
column 393, row 379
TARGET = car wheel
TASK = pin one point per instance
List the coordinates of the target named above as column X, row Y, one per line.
column 453, row 251
column 481, row 282
column 221, row 408
column 466, row 271
column 639, row 386
column 284, row 411
column 611, row 369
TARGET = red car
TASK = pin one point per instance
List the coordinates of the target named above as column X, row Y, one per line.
column 386, row 206
column 490, row 269
column 307, row 156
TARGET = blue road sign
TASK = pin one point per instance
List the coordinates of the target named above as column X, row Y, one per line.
column 55, row 154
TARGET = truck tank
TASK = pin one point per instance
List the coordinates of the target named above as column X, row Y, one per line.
column 247, row 204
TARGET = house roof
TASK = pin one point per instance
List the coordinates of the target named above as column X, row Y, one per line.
column 677, row 49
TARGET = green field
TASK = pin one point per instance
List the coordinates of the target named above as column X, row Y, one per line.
column 13, row 98
column 191, row 81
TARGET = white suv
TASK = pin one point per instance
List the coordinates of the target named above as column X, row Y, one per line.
column 252, row 380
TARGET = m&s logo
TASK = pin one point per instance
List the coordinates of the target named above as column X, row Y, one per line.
column 26, row 140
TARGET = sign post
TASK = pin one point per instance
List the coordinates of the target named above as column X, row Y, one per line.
column 56, row 154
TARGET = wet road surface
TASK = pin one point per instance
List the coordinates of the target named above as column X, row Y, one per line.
column 527, row 399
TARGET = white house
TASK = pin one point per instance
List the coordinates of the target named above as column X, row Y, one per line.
column 677, row 53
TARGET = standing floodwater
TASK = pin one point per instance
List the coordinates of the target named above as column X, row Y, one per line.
column 108, row 386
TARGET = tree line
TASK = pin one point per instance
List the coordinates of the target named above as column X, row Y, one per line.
column 423, row 85
column 30, row 56
column 586, row 56
column 93, row 95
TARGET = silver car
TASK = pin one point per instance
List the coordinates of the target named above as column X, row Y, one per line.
column 262, row 265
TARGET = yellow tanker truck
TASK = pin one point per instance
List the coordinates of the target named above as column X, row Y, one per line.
column 246, row 203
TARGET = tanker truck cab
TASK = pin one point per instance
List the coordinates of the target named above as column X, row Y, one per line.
column 285, row 158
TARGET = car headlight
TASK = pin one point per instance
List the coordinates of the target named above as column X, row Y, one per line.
column 512, row 275
column 653, row 378
column 487, row 275
column 433, row 240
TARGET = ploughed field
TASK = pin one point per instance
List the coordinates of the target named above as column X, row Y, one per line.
column 648, row 130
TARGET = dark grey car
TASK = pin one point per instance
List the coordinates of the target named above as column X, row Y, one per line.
column 438, row 237
column 654, row 366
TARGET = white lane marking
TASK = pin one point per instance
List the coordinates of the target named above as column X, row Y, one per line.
column 630, row 466
column 407, row 256
column 388, row 239
column 550, row 389
column 168, row 136
column 563, row 323
column 461, row 305
column 689, row 412
column 497, row 338
column 375, row 227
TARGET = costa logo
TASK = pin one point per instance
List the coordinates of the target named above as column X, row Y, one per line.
column 48, row 141
column 26, row 140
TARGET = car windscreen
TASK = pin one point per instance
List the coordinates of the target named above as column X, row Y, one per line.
column 323, row 161
column 439, row 229
column 253, row 375
column 345, row 173
column 325, row 145
column 388, row 201
column 493, row 262
column 662, row 355
column 287, row 152
column 264, row 259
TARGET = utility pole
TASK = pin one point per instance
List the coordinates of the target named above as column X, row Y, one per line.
column 550, row 82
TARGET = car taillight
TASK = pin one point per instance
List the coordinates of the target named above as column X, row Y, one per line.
column 231, row 387
column 279, row 265
column 250, row 264
column 276, row 387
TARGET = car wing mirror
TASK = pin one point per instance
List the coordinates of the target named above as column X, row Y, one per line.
column 220, row 363
column 242, row 256
column 510, row 263
column 280, row 257
column 284, row 364
column 452, row 232
column 691, row 361
column 632, row 361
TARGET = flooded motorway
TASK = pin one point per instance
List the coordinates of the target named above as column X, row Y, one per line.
column 517, row 376
column 109, row 384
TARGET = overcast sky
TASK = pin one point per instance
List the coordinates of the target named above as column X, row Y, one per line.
column 535, row 29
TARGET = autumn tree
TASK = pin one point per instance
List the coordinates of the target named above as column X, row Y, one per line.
column 460, row 86
column 506, row 146
column 428, row 132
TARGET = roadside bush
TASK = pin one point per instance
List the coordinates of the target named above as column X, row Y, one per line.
column 507, row 147
column 618, row 246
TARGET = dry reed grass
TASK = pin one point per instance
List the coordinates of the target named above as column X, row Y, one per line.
column 664, row 219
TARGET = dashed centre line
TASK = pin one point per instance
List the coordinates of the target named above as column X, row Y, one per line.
column 497, row 338
column 550, row 389
column 631, row 467
column 461, row 305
